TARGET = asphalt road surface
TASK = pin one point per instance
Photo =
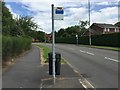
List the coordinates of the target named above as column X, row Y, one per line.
column 98, row 66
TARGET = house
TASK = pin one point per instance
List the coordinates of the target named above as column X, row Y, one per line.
column 102, row 28
column 48, row 37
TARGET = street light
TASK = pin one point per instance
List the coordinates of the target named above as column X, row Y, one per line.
column 89, row 22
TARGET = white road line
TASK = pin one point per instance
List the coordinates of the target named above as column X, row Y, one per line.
column 83, row 81
column 87, row 52
column 71, row 49
column 90, row 53
column 111, row 59
column 86, row 84
column 82, row 51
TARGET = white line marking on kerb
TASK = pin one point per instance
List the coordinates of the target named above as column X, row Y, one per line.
column 112, row 59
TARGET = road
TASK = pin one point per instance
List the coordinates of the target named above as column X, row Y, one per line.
column 98, row 66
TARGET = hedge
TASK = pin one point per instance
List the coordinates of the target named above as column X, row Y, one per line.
column 101, row 40
column 13, row 46
column 107, row 40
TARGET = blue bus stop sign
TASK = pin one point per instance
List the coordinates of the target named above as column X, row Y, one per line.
column 59, row 10
column 58, row 13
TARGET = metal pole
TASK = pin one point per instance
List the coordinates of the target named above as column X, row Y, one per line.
column 53, row 43
column 89, row 22
column 77, row 39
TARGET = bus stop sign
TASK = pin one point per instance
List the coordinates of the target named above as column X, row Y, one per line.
column 58, row 13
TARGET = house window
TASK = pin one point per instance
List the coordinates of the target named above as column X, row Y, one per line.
column 108, row 29
column 105, row 30
column 118, row 30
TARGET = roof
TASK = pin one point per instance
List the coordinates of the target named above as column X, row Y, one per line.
column 104, row 25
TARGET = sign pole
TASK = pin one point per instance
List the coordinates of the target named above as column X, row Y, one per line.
column 77, row 39
column 53, row 43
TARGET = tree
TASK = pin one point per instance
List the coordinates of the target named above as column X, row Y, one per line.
column 7, row 20
column 117, row 24
column 73, row 30
column 60, row 32
column 82, row 26
column 22, row 26
column 26, row 25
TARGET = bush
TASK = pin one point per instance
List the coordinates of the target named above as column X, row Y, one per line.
column 13, row 46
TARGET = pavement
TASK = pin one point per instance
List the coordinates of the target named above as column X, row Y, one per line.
column 28, row 72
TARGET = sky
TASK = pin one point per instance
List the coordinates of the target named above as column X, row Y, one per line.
column 101, row 11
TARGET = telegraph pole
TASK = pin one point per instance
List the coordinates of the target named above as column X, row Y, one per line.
column 89, row 22
column 53, row 44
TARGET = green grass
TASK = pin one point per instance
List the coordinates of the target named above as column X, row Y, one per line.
column 46, row 50
column 102, row 47
column 105, row 47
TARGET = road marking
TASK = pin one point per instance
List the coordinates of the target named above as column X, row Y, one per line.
column 90, row 53
column 82, row 51
column 71, row 49
column 87, row 52
column 112, row 59
column 86, row 84
column 83, row 81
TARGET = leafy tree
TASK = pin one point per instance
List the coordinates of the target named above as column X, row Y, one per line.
column 82, row 26
column 117, row 24
column 7, row 20
column 60, row 32
column 25, row 25
column 73, row 30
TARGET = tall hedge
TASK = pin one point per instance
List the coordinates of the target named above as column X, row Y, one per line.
column 102, row 40
column 69, row 40
column 13, row 46
column 107, row 40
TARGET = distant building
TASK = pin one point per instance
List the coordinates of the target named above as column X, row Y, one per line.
column 48, row 37
column 102, row 28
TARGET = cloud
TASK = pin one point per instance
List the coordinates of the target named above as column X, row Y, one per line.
column 61, row 1
column 74, row 12
column 105, row 15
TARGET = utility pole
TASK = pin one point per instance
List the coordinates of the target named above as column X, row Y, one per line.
column 53, row 44
column 89, row 22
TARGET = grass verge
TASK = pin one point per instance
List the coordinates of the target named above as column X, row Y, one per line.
column 103, row 47
column 46, row 50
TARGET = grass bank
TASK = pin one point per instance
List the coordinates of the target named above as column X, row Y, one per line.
column 46, row 50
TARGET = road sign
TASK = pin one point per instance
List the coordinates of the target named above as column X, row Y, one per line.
column 76, row 35
column 58, row 13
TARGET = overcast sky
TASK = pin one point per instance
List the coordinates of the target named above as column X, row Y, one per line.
column 102, row 11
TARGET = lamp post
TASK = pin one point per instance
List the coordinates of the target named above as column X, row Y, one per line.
column 89, row 22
